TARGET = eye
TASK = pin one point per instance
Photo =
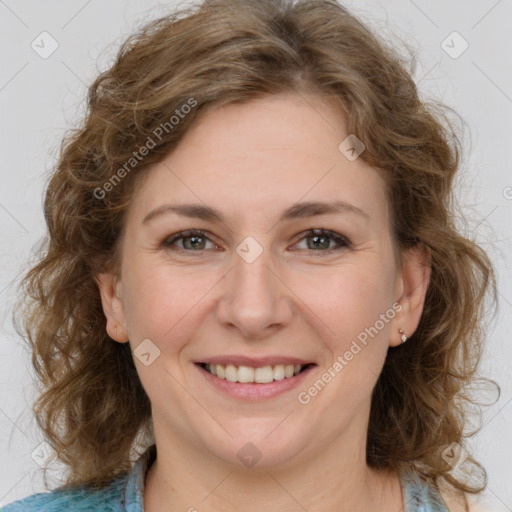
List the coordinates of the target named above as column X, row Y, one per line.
column 321, row 239
column 192, row 239
column 195, row 241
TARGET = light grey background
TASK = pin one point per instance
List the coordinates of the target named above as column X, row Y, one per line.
column 41, row 98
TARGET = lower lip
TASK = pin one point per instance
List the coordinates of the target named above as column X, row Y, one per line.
column 255, row 391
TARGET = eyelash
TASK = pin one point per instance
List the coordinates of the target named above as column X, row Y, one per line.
column 343, row 242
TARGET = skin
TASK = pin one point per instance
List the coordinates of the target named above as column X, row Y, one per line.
column 251, row 162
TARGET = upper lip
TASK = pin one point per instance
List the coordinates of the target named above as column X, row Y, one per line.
column 255, row 362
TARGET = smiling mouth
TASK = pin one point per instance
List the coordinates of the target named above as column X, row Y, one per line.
column 248, row 374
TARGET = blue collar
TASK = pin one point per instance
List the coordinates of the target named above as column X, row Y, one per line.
column 133, row 494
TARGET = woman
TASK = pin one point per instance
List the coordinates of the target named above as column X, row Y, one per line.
column 253, row 263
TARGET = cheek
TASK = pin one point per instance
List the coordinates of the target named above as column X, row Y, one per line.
column 353, row 321
column 352, row 313
column 160, row 301
column 349, row 302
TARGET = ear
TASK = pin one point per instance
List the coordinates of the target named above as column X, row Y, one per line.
column 412, row 287
column 112, row 306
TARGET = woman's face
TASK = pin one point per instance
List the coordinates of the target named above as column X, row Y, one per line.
column 255, row 289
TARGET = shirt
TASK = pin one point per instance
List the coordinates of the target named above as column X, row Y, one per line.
column 125, row 494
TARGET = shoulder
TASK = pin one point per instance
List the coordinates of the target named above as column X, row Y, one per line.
column 421, row 495
column 123, row 493
column 79, row 499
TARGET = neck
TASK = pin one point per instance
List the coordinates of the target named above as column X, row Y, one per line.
column 337, row 480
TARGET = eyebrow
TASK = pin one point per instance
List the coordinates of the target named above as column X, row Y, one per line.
column 296, row 211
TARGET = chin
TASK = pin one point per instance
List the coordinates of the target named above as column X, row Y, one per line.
column 260, row 444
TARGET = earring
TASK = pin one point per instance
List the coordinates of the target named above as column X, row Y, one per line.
column 403, row 336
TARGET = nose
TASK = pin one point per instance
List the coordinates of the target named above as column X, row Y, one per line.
column 256, row 300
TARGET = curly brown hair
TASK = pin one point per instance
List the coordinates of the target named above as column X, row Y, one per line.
column 93, row 409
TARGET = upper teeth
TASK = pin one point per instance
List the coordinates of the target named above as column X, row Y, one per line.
column 259, row 375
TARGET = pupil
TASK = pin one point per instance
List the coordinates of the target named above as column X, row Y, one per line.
column 192, row 238
column 317, row 237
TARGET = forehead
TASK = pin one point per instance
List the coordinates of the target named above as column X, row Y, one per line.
column 253, row 160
